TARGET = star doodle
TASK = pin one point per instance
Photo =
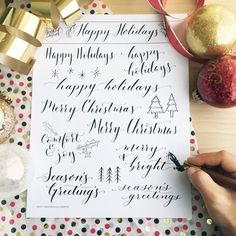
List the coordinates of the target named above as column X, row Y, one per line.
column 55, row 73
column 82, row 75
column 70, row 70
column 96, row 72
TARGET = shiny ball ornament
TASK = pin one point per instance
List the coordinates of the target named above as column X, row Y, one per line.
column 211, row 31
column 216, row 82
column 7, row 118
column 16, row 170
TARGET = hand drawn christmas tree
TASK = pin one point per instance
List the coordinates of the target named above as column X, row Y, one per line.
column 101, row 174
column 109, row 176
column 155, row 107
column 117, row 174
column 171, row 106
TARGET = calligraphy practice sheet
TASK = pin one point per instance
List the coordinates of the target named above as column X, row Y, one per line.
column 110, row 102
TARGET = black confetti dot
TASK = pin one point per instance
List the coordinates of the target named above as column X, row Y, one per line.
column 156, row 221
column 192, row 232
column 29, row 78
column 20, row 143
column 117, row 229
column 4, row 202
column 130, row 219
column 140, row 221
column 83, row 229
column 9, row 89
column 106, row 13
column 167, row 232
column 13, row 230
column 200, row 215
column 83, row 221
column 28, row 5
column 22, row 210
column 43, row 234
column 45, row 226
column 204, row 233
column 23, row 92
column 73, row 224
column 59, row 234
column 192, row 133
column 22, row 107
column 99, row 232
column 23, row 227
column 62, row 226
column 9, row 75
column 108, row 218
column 76, row 235
column 92, row 11
column 190, row 119
column 43, row 219
column 216, row 228
column 24, row 123
column 97, row 221
column 17, row 197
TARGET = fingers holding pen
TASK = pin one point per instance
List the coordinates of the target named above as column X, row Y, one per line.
column 222, row 158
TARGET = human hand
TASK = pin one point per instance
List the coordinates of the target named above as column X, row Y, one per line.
column 220, row 202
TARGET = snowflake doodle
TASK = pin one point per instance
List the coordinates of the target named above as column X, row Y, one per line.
column 82, row 75
column 96, row 73
column 70, row 70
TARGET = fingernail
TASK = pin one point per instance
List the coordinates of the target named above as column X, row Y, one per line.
column 191, row 171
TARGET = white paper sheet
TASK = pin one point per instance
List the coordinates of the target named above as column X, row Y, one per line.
column 110, row 101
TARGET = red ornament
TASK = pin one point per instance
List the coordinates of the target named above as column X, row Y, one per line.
column 217, row 82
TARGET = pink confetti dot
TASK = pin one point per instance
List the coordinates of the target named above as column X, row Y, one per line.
column 12, row 204
column 128, row 229
column 11, row 82
column 107, row 226
column 22, row 6
column 21, row 84
column 1, row 76
column 67, row 219
column 139, row 231
column 21, row 115
column 5, row 235
column 185, row 227
column 192, row 141
column 176, row 229
column 157, row 233
column 53, row 227
column 69, row 232
column 198, row 224
column 18, row 100
column 197, row 197
column 92, row 230
column 104, row 6
column 34, row 227
column 94, row 5
column 19, row 130
column 179, row 219
column 11, row 222
column 30, row 93
column 3, row 218
column 18, row 215
column 194, row 208
column 28, row 146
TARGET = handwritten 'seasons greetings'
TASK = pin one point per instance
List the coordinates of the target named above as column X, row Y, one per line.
column 110, row 101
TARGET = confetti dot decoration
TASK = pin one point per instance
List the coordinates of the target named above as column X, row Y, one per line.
column 19, row 87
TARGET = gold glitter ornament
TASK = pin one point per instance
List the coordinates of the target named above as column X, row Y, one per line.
column 211, row 31
column 7, row 118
